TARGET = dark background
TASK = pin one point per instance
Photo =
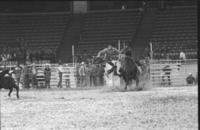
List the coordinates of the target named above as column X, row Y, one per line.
column 51, row 6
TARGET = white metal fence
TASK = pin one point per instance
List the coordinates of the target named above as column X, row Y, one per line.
column 69, row 77
column 175, row 75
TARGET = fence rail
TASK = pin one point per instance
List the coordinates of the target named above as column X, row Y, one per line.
column 174, row 75
column 69, row 77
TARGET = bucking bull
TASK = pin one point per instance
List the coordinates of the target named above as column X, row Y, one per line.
column 128, row 69
column 7, row 82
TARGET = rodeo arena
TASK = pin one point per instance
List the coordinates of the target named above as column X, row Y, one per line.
column 99, row 65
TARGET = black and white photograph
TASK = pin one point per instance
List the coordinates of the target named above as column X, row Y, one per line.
column 99, row 65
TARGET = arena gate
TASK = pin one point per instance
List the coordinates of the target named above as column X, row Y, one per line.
column 179, row 72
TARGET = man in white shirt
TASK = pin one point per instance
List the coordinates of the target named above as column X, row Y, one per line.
column 182, row 56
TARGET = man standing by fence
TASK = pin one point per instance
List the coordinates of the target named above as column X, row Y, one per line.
column 47, row 76
column 82, row 74
column 101, row 74
column 18, row 71
column 34, row 76
column 93, row 75
column 167, row 73
column 26, row 76
column 60, row 73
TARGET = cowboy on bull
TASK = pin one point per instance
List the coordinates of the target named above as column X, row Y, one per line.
column 111, row 53
column 108, row 54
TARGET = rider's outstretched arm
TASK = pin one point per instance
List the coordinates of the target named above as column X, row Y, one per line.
column 102, row 51
column 116, row 49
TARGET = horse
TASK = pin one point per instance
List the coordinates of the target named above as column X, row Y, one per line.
column 7, row 82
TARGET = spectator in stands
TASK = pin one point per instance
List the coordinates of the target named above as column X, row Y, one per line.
column 144, row 5
column 17, row 72
column 60, row 73
column 82, row 74
column 182, row 57
column 34, row 76
column 147, row 52
column 47, row 76
column 190, row 79
column 124, row 6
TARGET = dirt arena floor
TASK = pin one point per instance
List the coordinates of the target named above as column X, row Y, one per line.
column 100, row 109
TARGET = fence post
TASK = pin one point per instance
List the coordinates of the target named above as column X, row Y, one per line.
column 73, row 54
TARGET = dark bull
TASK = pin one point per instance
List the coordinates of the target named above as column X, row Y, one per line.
column 7, row 82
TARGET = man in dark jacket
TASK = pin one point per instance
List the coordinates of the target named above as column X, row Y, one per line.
column 167, row 73
column 18, row 71
column 101, row 74
column 60, row 73
column 26, row 76
column 47, row 76
column 190, row 79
